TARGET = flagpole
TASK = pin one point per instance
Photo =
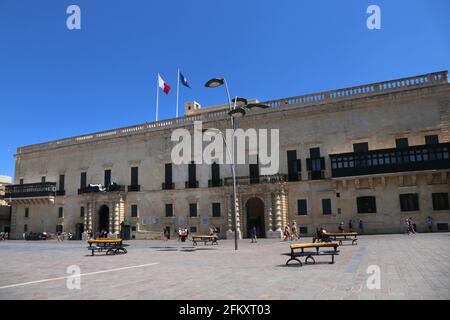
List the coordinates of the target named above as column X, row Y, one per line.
column 178, row 85
column 157, row 96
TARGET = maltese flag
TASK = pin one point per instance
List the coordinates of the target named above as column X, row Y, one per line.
column 163, row 85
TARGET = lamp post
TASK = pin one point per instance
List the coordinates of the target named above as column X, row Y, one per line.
column 213, row 83
column 233, row 112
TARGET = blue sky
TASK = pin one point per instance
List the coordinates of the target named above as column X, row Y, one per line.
column 56, row 83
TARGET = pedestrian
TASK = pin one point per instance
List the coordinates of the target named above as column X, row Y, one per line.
column 411, row 225
column 166, row 234
column 361, row 227
column 350, row 225
column 294, row 234
column 286, row 233
column 430, row 223
column 179, row 234
column 341, row 226
column 253, row 233
column 406, row 226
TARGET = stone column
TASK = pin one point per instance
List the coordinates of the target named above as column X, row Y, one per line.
column 230, row 232
column 284, row 206
column 89, row 219
column 270, row 218
column 117, row 217
column 278, row 218
column 85, row 218
column 111, row 216
column 238, row 219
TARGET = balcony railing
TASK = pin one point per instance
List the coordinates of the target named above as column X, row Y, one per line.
column 316, row 175
column 251, row 180
column 168, row 185
column 29, row 190
column 191, row 184
column 215, row 183
column 100, row 188
column 295, row 176
column 414, row 158
column 134, row 188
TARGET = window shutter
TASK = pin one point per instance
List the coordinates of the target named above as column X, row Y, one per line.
column 322, row 163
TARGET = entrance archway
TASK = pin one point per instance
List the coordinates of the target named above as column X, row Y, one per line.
column 255, row 217
column 103, row 219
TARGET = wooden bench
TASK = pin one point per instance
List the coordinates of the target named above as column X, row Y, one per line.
column 342, row 236
column 204, row 239
column 315, row 251
column 111, row 246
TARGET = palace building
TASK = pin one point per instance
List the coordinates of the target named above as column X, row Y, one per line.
column 378, row 153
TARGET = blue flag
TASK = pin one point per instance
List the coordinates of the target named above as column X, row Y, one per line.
column 184, row 81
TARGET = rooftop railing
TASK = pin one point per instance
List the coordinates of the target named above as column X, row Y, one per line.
column 298, row 101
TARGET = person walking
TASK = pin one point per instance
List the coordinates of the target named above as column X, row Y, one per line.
column 341, row 226
column 253, row 233
column 294, row 233
column 350, row 225
column 406, row 226
column 361, row 226
column 286, row 233
column 166, row 234
column 430, row 223
column 411, row 225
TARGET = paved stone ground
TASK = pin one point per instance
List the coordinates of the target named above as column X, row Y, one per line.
column 412, row 267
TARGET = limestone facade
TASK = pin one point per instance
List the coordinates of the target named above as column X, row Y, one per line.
column 415, row 108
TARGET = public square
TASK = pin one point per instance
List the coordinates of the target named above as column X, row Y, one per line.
column 411, row 267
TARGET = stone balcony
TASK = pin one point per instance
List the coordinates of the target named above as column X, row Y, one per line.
column 31, row 193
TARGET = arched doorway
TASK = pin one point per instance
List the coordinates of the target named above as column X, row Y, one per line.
column 103, row 219
column 255, row 217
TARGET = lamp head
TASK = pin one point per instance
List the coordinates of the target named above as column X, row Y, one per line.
column 238, row 112
column 214, row 82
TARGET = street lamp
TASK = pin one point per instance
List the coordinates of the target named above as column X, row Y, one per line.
column 233, row 112
column 213, row 83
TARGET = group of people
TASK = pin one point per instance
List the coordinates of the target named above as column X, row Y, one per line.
column 4, row 236
column 61, row 236
column 290, row 232
column 409, row 226
column 183, row 233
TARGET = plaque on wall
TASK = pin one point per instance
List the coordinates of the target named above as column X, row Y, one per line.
column 204, row 221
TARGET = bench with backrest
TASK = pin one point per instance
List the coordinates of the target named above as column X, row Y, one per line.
column 341, row 236
column 309, row 250
column 204, row 239
column 111, row 246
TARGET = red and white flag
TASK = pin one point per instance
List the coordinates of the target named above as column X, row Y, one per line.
column 163, row 85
